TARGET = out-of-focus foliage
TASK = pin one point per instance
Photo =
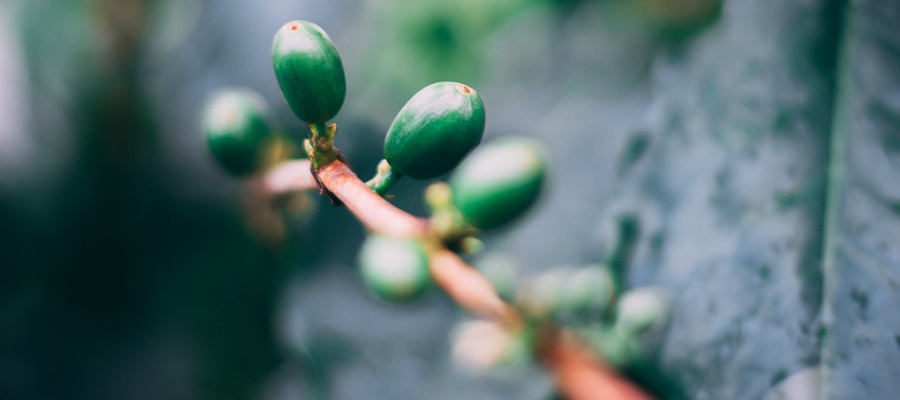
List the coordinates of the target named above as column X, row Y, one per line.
column 421, row 42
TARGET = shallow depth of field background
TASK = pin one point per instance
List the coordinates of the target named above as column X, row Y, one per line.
column 128, row 271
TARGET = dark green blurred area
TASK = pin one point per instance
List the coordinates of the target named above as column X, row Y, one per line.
column 111, row 286
column 754, row 141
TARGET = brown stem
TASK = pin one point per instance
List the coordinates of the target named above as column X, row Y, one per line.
column 376, row 213
column 580, row 375
column 469, row 288
column 288, row 176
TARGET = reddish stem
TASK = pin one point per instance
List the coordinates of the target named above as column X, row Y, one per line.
column 288, row 176
column 469, row 288
column 581, row 375
column 376, row 213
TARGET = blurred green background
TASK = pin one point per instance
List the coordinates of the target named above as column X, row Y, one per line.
column 755, row 140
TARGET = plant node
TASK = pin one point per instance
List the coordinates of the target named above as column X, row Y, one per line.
column 385, row 178
column 320, row 144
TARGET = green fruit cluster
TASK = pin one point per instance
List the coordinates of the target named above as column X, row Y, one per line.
column 430, row 136
column 568, row 295
column 436, row 131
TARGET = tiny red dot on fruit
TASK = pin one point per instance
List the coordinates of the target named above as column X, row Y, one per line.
column 294, row 27
column 464, row 89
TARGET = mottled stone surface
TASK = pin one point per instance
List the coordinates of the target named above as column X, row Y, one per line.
column 729, row 192
column 862, row 265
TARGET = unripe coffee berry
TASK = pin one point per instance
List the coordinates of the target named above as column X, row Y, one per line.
column 585, row 294
column 499, row 182
column 434, row 130
column 309, row 71
column 395, row 269
column 640, row 309
column 237, row 126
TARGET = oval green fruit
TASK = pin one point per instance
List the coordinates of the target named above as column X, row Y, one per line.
column 238, row 129
column 586, row 292
column 640, row 309
column 309, row 71
column 499, row 181
column 395, row 269
column 434, row 130
column 539, row 296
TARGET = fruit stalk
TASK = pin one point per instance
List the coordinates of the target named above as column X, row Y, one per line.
column 320, row 145
column 287, row 177
column 373, row 211
column 580, row 375
column 385, row 178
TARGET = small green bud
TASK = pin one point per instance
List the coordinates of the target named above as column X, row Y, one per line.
column 619, row 350
column 539, row 296
column 639, row 310
column 395, row 269
column 438, row 196
column 434, row 130
column 309, row 71
column 501, row 270
column 499, row 182
column 237, row 126
column 484, row 345
column 586, row 292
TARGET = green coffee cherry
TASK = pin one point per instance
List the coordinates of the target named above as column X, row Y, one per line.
column 499, row 181
column 309, row 71
column 237, row 125
column 485, row 345
column 618, row 349
column 434, row 130
column 586, row 292
column 395, row 269
column 539, row 296
column 640, row 309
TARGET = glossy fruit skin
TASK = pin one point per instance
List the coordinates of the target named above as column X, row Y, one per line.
column 499, row 181
column 395, row 269
column 309, row 71
column 434, row 130
column 238, row 129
